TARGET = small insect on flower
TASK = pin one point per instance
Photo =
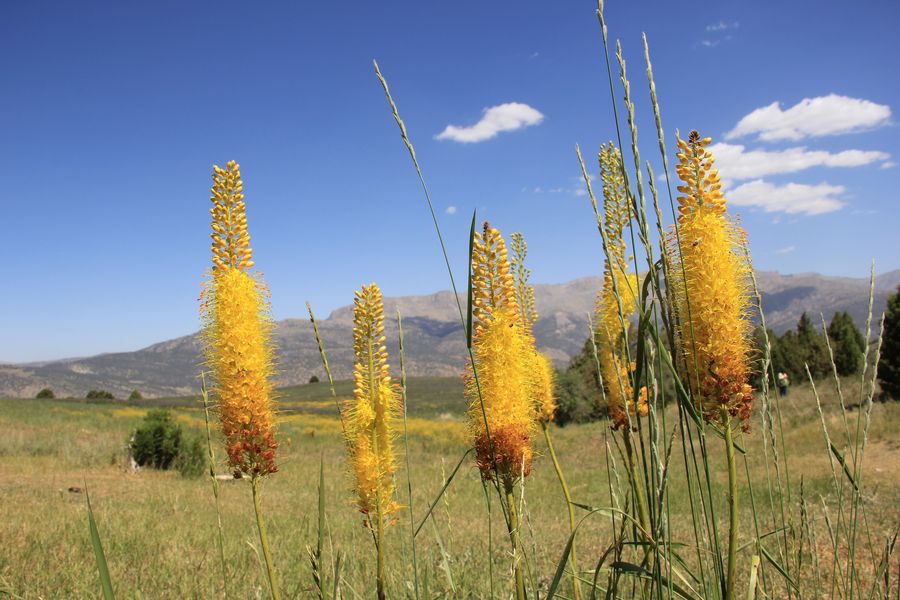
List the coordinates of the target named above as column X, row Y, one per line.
column 501, row 407
column 237, row 330
column 711, row 288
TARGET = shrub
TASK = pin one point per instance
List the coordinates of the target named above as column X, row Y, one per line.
column 100, row 395
column 161, row 443
column 192, row 460
column 314, row 379
column 135, row 395
column 46, row 393
column 157, row 442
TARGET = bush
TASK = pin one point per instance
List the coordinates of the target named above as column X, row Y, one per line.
column 46, row 393
column 314, row 379
column 100, row 395
column 135, row 395
column 192, row 460
column 161, row 443
column 157, row 442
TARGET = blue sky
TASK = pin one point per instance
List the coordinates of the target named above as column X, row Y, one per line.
column 113, row 113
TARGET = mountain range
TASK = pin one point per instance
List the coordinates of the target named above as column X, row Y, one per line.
column 434, row 343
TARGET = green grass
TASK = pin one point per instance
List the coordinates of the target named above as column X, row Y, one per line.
column 160, row 535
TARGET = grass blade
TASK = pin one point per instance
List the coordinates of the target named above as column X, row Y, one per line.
column 102, row 567
column 844, row 466
column 441, row 493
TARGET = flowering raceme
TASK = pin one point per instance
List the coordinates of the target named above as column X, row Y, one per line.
column 617, row 301
column 540, row 370
column 711, row 288
column 370, row 417
column 237, row 330
column 502, row 355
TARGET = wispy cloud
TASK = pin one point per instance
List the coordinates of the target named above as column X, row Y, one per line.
column 575, row 187
column 496, row 119
column 451, row 210
column 791, row 198
column 722, row 26
column 812, row 117
column 736, row 162
column 786, row 250
column 709, row 43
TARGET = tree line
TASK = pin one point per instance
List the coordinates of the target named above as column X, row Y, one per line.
column 580, row 395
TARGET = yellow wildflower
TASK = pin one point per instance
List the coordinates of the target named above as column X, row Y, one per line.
column 617, row 301
column 540, row 370
column 502, row 357
column 370, row 417
column 711, row 288
column 238, row 332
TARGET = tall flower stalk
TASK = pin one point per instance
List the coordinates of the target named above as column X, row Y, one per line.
column 237, row 329
column 542, row 380
column 501, row 408
column 713, row 301
column 370, row 422
column 617, row 301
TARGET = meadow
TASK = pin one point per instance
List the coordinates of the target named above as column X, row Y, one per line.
column 160, row 535
column 694, row 485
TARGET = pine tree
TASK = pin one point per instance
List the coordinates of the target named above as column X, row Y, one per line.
column 847, row 343
column 889, row 365
column 812, row 347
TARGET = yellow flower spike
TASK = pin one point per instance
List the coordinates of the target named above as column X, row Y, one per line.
column 370, row 418
column 617, row 301
column 503, row 356
column 712, row 290
column 541, row 373
column 237, row 330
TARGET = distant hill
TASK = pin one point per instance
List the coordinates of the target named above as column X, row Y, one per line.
column 434, row 342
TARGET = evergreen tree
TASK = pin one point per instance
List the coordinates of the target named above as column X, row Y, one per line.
column 847, row 344
column 889, row 365
column 579, row 397
column 787, row 356
column 813, row 351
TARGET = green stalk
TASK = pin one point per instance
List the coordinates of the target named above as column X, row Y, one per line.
column 412, row 525
column 379, row 543
column 576, row 587
column 732, row 505
column 264, row 540
column 215, row 482
column 514, row 538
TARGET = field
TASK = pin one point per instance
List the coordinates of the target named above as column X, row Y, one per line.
column 160, row 535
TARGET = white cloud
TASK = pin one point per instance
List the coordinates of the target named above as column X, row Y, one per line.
column 496, row 119
column 451, row 210
column 791, row 198
column 786, row 250
column 734, row 161
column 812, row 117
column 723, row 26
column 888, row 164
column 709, row 43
